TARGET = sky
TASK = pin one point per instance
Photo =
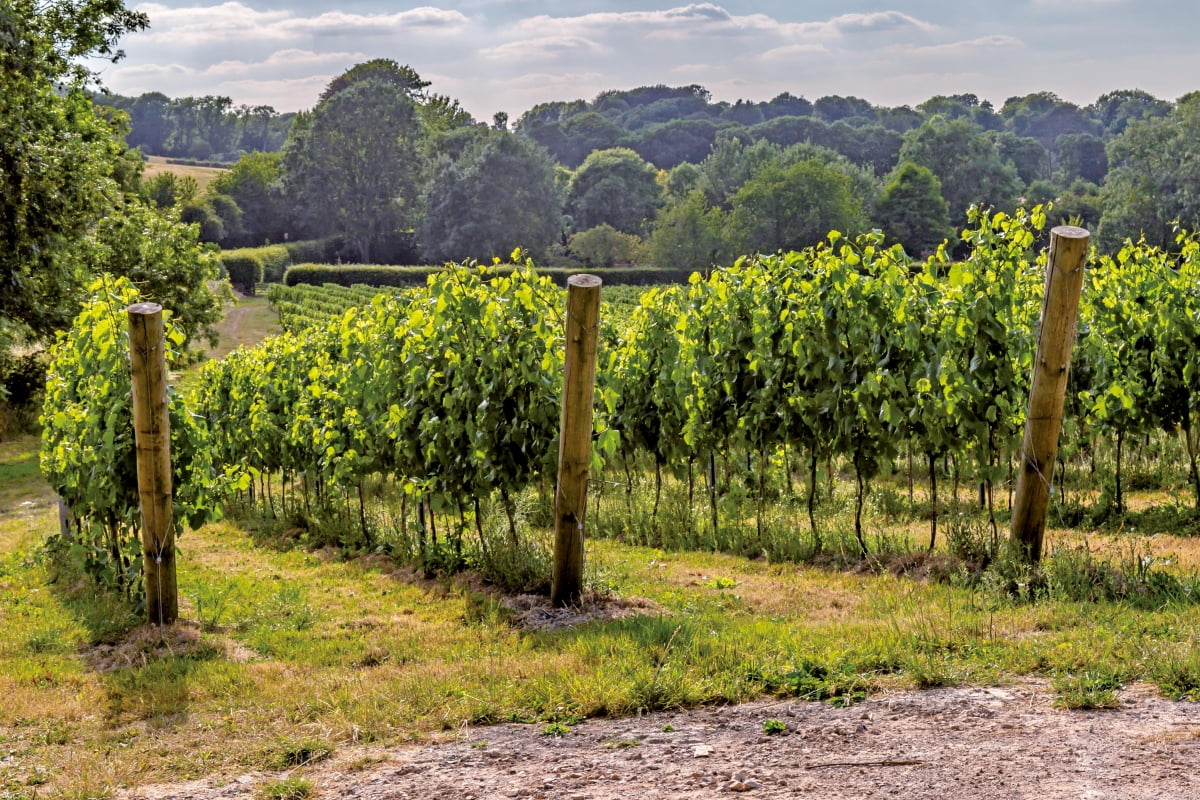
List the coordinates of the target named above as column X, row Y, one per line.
column 509, row 55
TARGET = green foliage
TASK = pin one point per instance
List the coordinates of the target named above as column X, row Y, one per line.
column 604, row 246
column 614, row 187
column 161, row 257
column 969, row 166
column 293, row 787
column 352, row 167
column 251, row 184
column 774, row 726
column 1153, row 182
column 497, row 195
column 912, row 211
column 322, row 274
column 88, row 454
column 690, row 235
column 245, row 269
column 795, row 206
column 60, row 160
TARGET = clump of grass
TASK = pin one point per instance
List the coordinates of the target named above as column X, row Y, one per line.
column 810, row 680
column 1177, row 675
column 772, row 727
column 1088, row 690
column 290, row 753
column 290, row 788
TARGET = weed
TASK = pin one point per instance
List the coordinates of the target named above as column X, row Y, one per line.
column 621, row 744
column 1088, row 690
column 772, row 727
column 668, row 728
column 556, row 729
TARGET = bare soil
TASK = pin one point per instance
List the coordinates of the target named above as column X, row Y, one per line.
column 997, row 743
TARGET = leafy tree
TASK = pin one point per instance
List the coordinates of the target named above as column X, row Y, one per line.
column 962, row 106
column 1031, row 159
column 1115, row 110
column 68, row 201
column 794, row 206
column 968, row 165
column 353, row 166
column 615, row 187
column 497, row 195
column 1045, row 116
column 912, row 210
column 381, row 70
column 786, row 105
column 252, row 184
column 1080, row 155
column 833, row 108
column 1154, row 178
column 690, row 235
column 676, row 142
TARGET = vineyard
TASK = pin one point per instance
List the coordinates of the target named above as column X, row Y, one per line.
column 424, row 422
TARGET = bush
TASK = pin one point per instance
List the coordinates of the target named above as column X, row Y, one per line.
column 244, row 268
column 311, row 251
column 604, row 246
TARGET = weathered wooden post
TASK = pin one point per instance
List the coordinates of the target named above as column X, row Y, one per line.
column 1056, row 336
column 575, row 438
column 152, row 435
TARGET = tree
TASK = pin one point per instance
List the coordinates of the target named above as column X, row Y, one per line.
column 67, row 181
column 689, row 235
column 1154, row 178
column 251, row 184
column 381, row 70
column 498, row 194
column 795, row 206
column 615, row 187
column 353, row 166
column 912, row 210
column 1045, row 116
column 967, row 164
column 1115, row 110
column 1080, row 155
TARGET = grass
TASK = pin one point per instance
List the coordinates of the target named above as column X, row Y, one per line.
column 246, row 322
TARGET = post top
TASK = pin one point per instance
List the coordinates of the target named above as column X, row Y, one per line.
column 144, row 308
column 1070, row 232
column 584, row 281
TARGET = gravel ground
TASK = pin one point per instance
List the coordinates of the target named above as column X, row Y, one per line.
column 997, row 743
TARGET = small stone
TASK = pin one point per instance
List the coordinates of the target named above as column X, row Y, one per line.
column 702, row 750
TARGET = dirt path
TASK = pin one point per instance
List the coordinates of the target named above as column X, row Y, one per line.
column 942, row 745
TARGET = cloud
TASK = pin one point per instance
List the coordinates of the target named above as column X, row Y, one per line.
column 994, row 42
column 793, row 51
column 544, row 48
column 233, row 21
column 708, row 19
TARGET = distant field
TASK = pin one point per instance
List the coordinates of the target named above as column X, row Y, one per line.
column 203, row 175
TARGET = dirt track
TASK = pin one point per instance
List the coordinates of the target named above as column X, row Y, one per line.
column 945, row 744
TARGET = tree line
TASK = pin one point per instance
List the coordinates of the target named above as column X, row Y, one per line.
column 665, row 175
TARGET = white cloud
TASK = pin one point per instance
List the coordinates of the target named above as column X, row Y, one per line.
column 791, row 52
column 712, row 20
column 233, row 21
column 544, row 48
column 994, row 42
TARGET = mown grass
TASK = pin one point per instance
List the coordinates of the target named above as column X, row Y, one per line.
column 286, row 656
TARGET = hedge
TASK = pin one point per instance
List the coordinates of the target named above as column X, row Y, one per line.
column 348, row 275
column 244, row 268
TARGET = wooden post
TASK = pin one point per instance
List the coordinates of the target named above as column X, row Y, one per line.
column 1056, row 336
column 575, row 438
column 153, row 437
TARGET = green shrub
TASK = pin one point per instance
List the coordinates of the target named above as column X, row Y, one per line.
column 244, row 268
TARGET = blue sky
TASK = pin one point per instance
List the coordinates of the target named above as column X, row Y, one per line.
column 508, row 55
